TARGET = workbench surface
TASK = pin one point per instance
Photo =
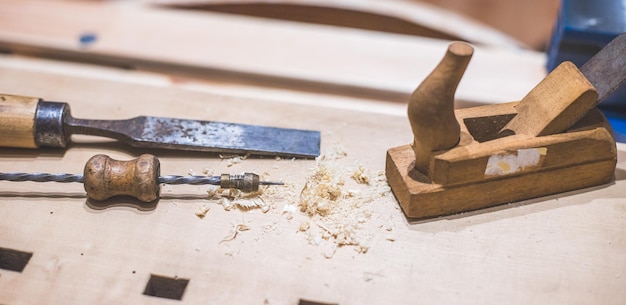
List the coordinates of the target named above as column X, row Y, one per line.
column 567, row 248
column 562, row 249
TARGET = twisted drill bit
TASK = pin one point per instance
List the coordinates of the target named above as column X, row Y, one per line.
column 169, row 179
column 104, row 178
column 41, row 177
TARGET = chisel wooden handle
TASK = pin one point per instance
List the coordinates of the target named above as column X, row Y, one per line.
column 17, row 121
column 30, row 122
column 105, row 177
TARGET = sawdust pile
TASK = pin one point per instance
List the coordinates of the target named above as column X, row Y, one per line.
column 338, row 207
column 331, row 209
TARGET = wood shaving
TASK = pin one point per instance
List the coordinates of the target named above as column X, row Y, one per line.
column 244, row 201
column 389, row 225
column 238, row 228
column 232, row 160
column 214, row 192
column 330, row 252
column 361, row 175
column 201, row 212
column 304, row 226
column 235, row 199
column 322, row 191
column 207, row 172
column 289, row 210
column 339, row 214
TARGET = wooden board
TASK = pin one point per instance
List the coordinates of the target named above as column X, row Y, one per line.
column 392, row 16
column 530, row 22
column 567, row 248
column 263, row 52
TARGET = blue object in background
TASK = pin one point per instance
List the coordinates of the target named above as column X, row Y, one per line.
column 618, row 123
column 87, row 39
column 583, row 28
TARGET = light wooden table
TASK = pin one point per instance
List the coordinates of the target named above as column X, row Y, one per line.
column 567, row 248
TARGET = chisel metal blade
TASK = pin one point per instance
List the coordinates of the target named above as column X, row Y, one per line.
column 32, row 122
column 606, row 70
column 209, row 136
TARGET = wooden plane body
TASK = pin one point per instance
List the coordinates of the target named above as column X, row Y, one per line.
column 486, row 169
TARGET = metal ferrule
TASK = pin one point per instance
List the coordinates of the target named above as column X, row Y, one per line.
column 49, row 124
column 247, row 182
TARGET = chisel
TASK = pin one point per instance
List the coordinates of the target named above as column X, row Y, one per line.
column 567, row 93
column 31, row 122
column 104, row 178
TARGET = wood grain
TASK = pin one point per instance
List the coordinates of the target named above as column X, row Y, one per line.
column 555, row 104
column 262, row 52
column 392, row 16
column 563, row 249
column 422, row 200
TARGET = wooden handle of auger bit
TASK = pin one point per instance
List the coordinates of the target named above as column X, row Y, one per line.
column 105, row 177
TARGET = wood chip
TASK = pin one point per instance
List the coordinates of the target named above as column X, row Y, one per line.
column 238, row 228
column 201, row 212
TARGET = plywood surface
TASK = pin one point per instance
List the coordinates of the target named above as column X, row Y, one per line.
column 562, row 249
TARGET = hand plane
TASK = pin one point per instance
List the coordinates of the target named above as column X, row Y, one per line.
column 554, row 140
